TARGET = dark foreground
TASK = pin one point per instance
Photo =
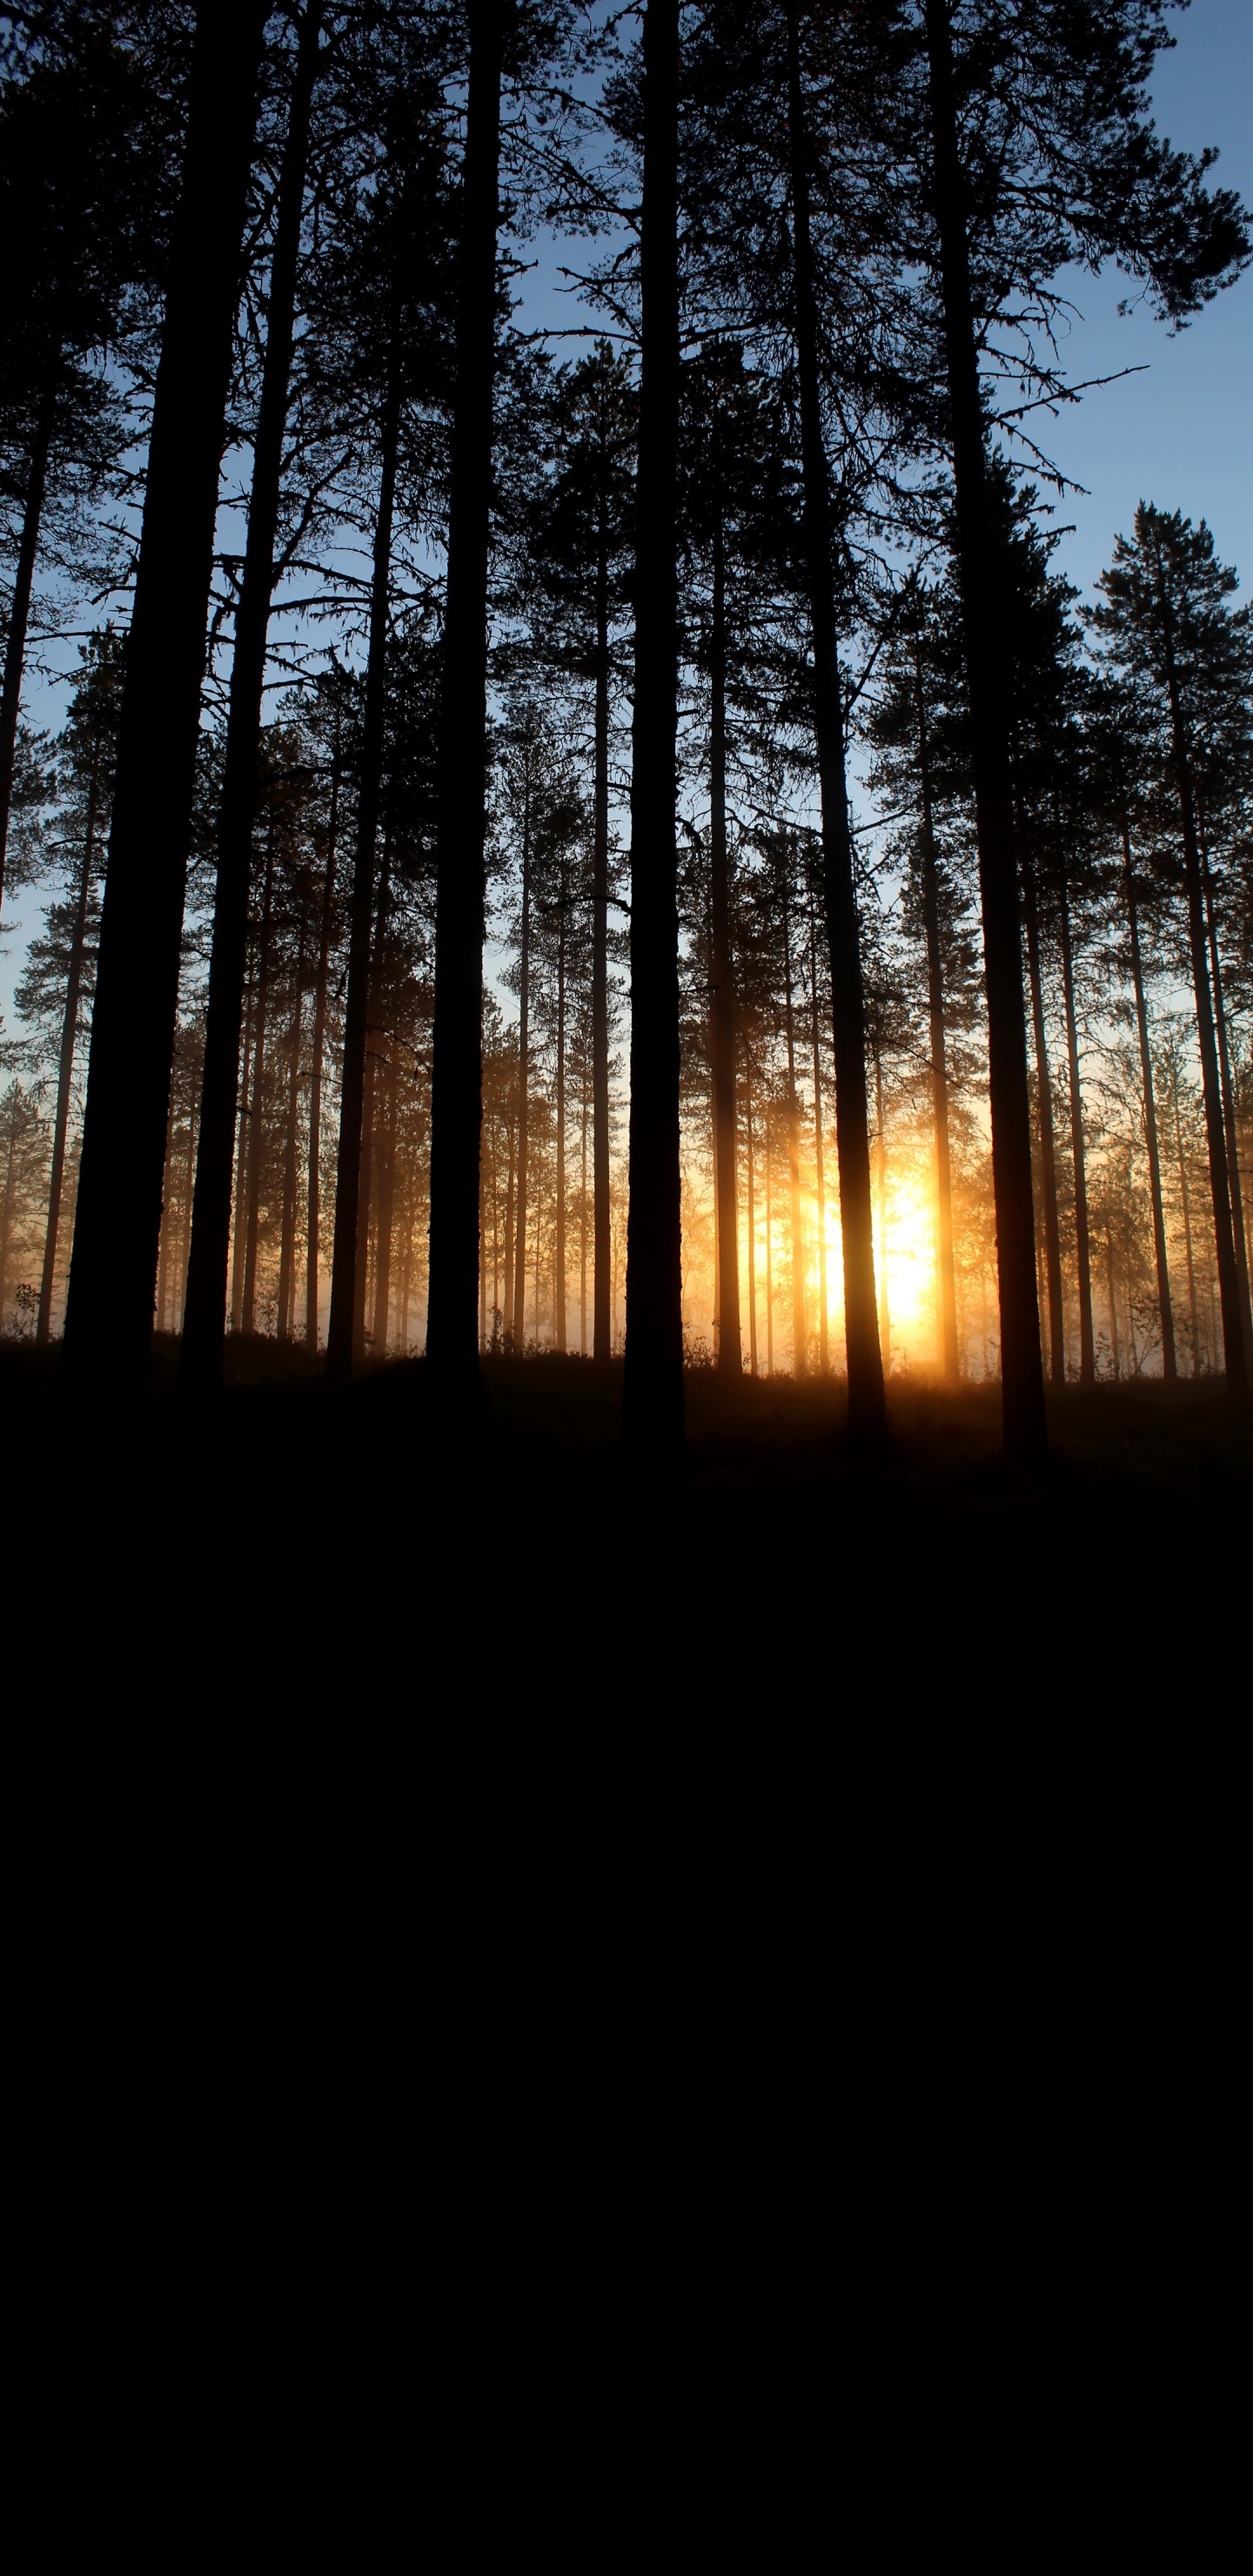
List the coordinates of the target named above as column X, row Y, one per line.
column 315, row 1558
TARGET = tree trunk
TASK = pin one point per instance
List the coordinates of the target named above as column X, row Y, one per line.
column 457, row 1080
column 866, row 1401
column 524, row 1080
column 885, row 1311
column 1169, row 1362
column 65, row 1068
column 799, row 1336
column 241, row 1158
column 752, row 1220
column 313, row 1255
column 1193, row 1314
column 1229, row 1121
column 256, row 1130
column 559, row 1247
column 287, row 1254
column 1083, row 1254
column 1113, row 1303
column 19, row 611
column 1048, row 1148
column 1220, row 1188
column 985, row 623
column 108, row 1328
column 722, row 1003
column 653, row 1378
column 769, row 1249
column 385, row 1217
column 204, row 1323
column 602, row 1217
column 824, row 1338
column 507, row 1318
column 946, row 1276
column 347, row 1264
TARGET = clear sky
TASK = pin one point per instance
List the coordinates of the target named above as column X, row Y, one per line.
column 1182, row 435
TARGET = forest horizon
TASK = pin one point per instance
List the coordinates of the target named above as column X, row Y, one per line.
column 617, row 840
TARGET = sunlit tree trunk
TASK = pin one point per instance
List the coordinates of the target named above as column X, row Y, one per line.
column 824, row 1338
column 65, row 1066
column 752, row 1215
column 108, row 1326
column 559, row 1249
column 722, row 999
column 653, row 1376
column 1193, row 1315
column 602, row 1219
column 1048, row 1149
column 1229, row 1120
column 1113, row 1302
column 946, row 1280
column 524, row 1077
column 799, row 1337
column 507, row 1319
column 385, row 1224
column 1165, row 1306
column 1083, row 1256
column 985, row 625
column 287, row 1251
column 881, row 1159
column 866, row 1401
column 241, row 1151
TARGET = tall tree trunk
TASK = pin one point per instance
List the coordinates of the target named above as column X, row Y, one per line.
column 287, row 1253
column 1022, row 1376
column 1165, row 1307
column 1220, row 1186
column 769, row 1248
column 108, row 1326
column 349, row 1253
column 602, row 1216
column 752, row 1218
column 507, row 1318
column 1048, row 1148
column 1193, row 1314
column 881, row 1159
column 204, row 1322
column 256, row 1129
column 19, row 610
column 866, row 1401
column 1229, row 1120
column 722, row 1001
column 824, row 1337
column 524, row 1080
column 65, row 1068
column 1083, row 1254
column 799, row 1335
column 386, row 1215
column 653, row 1377
column 241, row 1155
column 457, row 1080
column 946, row 1276
column 313, row 1254
column 559, row 1244
column 1113, row 1303
column 583, row 1226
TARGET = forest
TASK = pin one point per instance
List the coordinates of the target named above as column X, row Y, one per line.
column 587, row 854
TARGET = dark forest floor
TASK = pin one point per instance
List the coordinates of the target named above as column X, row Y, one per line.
column 288, row 1538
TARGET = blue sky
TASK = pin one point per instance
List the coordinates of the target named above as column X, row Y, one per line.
column 1182, row 435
